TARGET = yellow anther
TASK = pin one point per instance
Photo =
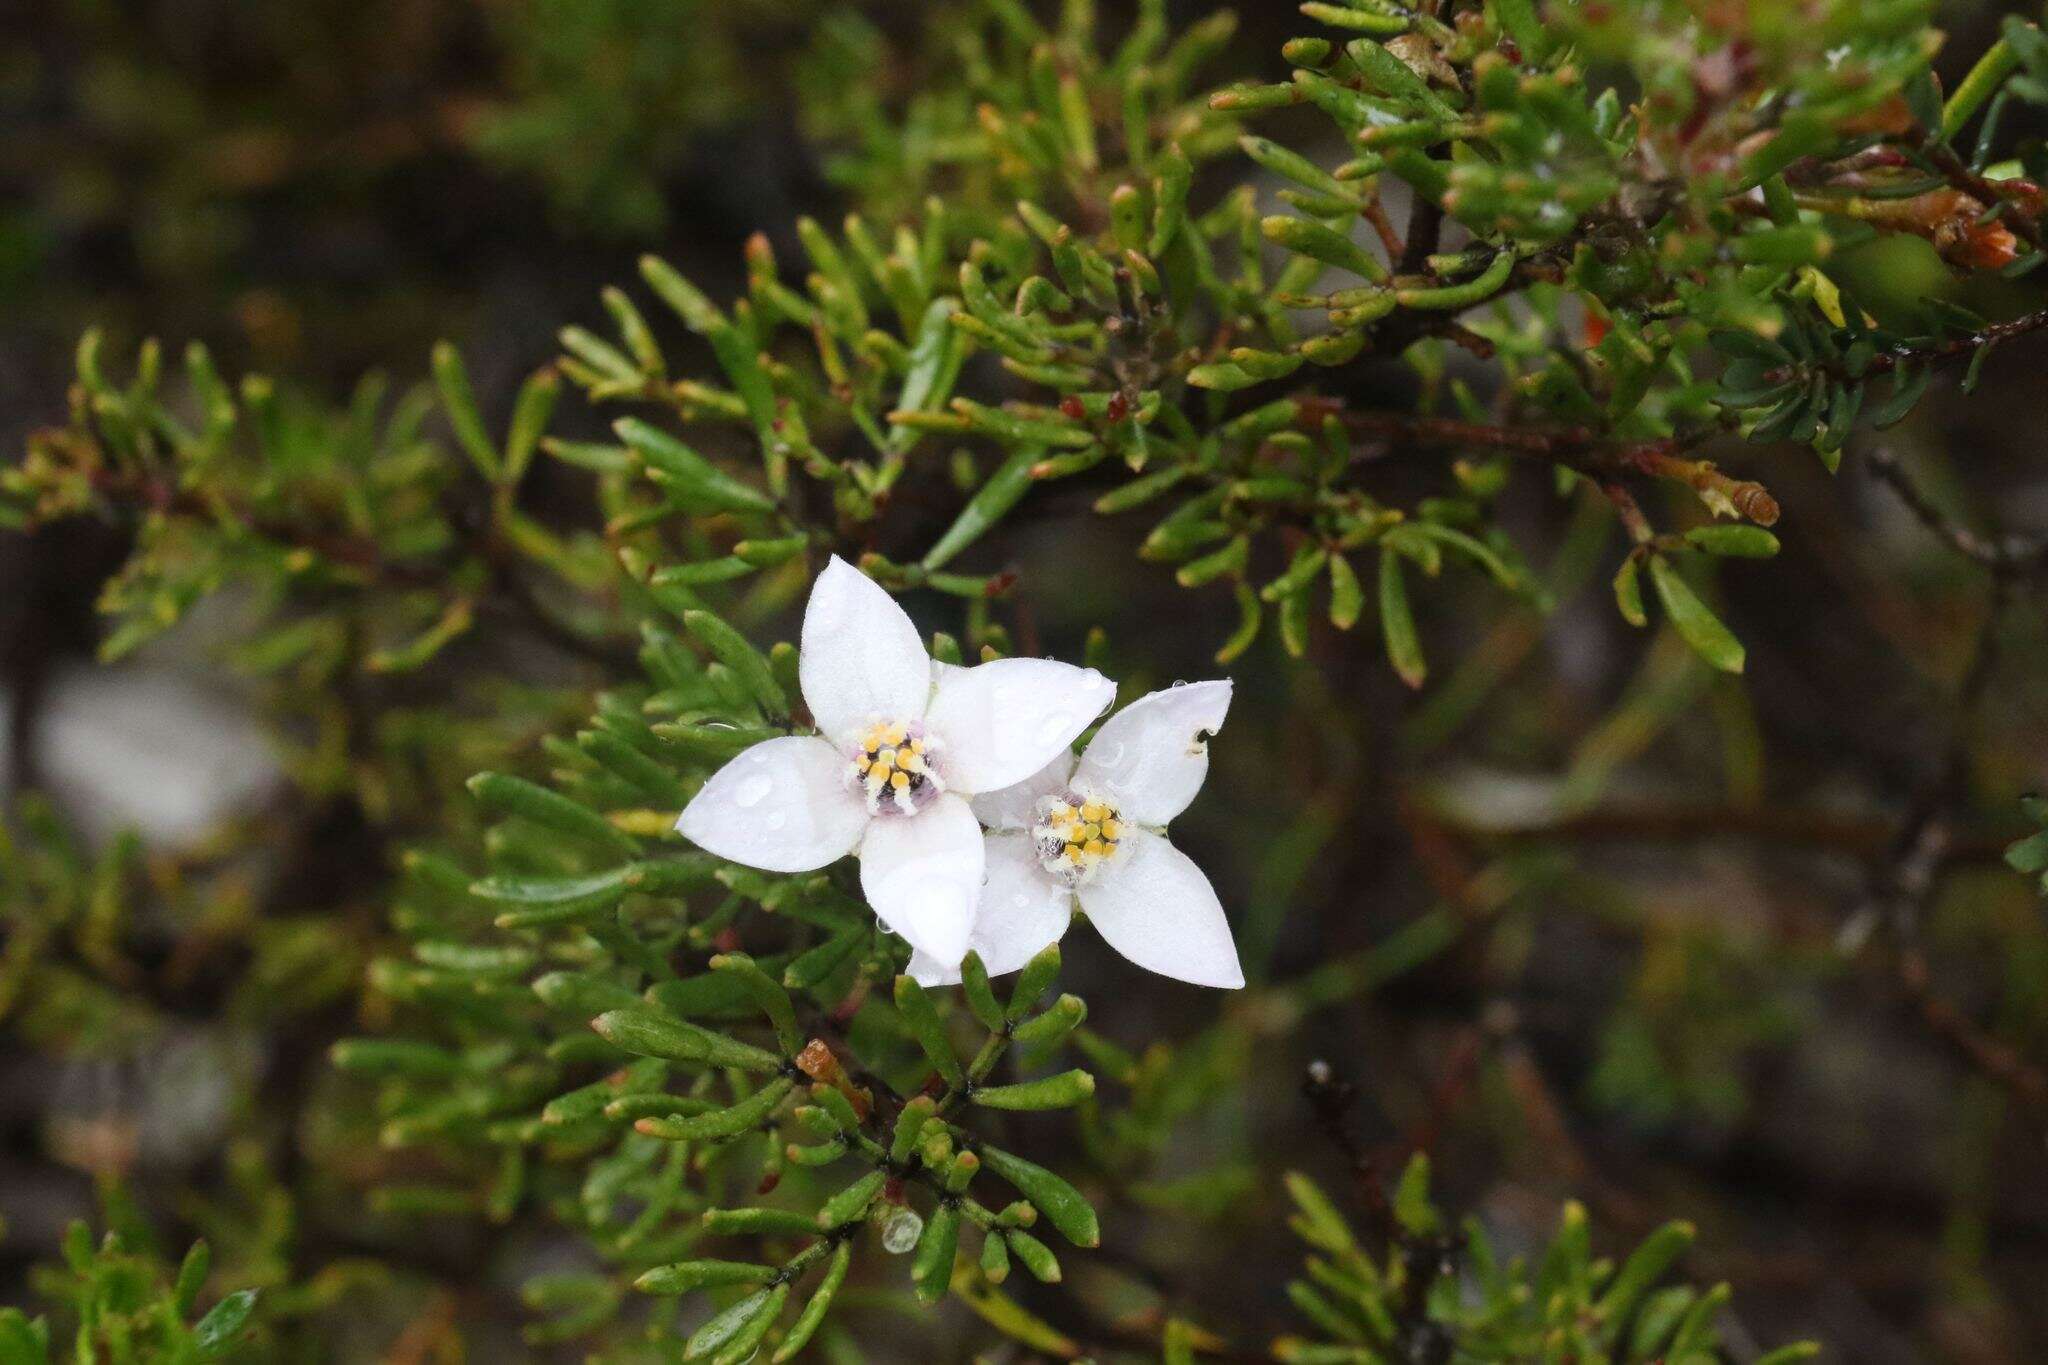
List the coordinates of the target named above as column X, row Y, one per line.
column 1091, row 831
column 899, row 780
column 1112, row 829
column 1096, row 849
column 1093, row 811
column 886, row 758
column 893, row 735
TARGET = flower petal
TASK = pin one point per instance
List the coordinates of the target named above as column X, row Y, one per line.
column 783, row 805
column 1150, row 758
column 922, row 873
column 1014, row 806
column 1000, row 722
column 1156, row 908
column 861, row 658
column 1021, row 910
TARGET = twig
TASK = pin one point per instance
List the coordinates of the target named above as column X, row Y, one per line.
column 2005, row 556
column 1575, row 447
column 1906, row 883
column 1949, row 348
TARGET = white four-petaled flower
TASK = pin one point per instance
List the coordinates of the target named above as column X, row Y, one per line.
column 1093, row 831
column 905, row 742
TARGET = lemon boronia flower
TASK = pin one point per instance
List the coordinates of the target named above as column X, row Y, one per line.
column 904, row 743
column 1094, row 831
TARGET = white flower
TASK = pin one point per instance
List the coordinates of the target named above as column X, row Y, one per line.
column 905, row 742
column 1094, row 831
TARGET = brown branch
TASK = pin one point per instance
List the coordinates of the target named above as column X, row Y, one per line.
column 1951, row 348
column 2008, row 556
column 1997, row 1060
column 1906, row 883
column 1577, row 448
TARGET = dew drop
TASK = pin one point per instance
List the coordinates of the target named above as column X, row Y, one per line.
column 901, row 1232
column 775, row 819
column 753, row 790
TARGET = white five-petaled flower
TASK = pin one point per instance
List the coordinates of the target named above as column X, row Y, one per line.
column 905, row 742
column 1093, row 831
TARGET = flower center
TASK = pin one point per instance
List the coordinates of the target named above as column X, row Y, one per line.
column 1075, row 835
column 893, row 768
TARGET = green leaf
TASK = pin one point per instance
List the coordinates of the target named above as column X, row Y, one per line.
column 1628, row 592
column 931, row 1269
column 683, row 1276
column 748, row 664
column 599, row 889
column 749, row 1113
column 807, row 1322
column 930, row 1031
column 583, row 994
column 851, row 1202
column 650, row 1033
column 735, row 1332
column 394, row 1057
column 1909, row 382
column 1036, row 1256
column 1060, row 1202
column 2029, row 854
column 21, row 1341
column 1397, row 622
column 1412, row 1209
column 1032, row 981
column 550, row 810
column 224, row 1322
column 458, row 400
column 530, row 414
column 980, row 996
column 692, row 478
column 996, row 496
column 1347, row 596
column 1642, row 1269
column 1740, row 542
column 192, row 1272
column 767, row 993
column 1697, row 625
column 1063, row 1091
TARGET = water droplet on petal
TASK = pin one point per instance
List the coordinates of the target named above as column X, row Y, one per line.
column 775, row 819
column 753, row 790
